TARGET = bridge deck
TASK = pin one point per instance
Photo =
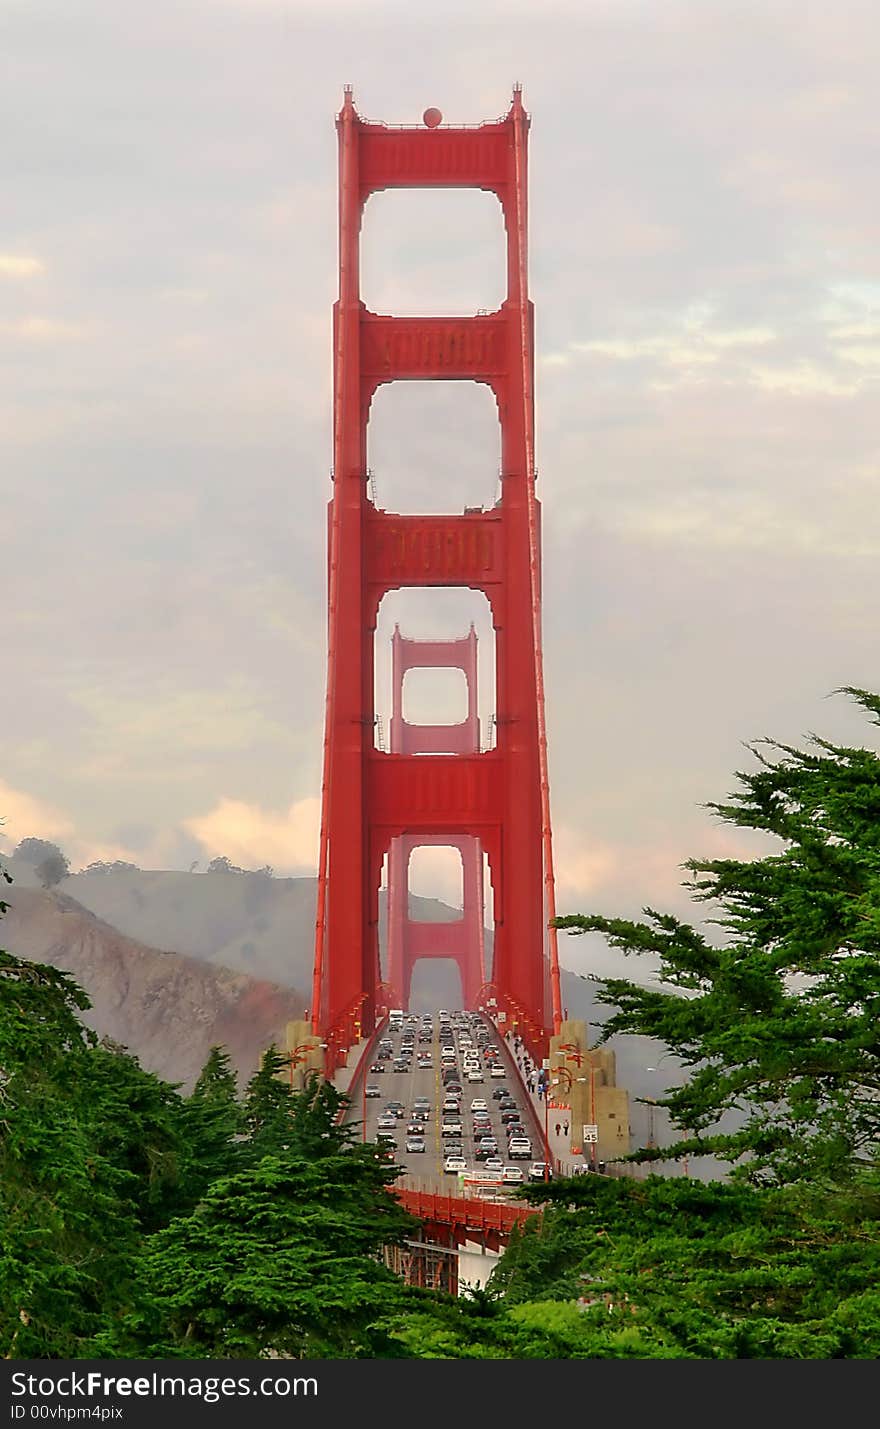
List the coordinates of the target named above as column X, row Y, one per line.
column 425, row 1173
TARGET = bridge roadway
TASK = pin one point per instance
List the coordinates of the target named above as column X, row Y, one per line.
column 402, row 1079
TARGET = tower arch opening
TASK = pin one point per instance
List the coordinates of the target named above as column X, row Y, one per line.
column 433, row 251
column 434, row 448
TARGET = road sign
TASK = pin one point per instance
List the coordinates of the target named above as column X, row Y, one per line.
column 591, row 1135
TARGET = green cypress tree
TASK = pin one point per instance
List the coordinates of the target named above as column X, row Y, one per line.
column 211, row 1122
column 782, row 1023
column 268, row 1106
column 68, row 1219
column 281, row 1258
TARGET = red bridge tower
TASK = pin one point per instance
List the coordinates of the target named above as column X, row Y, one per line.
column 373, row 800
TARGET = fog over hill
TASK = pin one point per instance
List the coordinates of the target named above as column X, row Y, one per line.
column 167, row 1008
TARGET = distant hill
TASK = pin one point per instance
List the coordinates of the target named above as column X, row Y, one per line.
column 259, row 925
column 166, row 1008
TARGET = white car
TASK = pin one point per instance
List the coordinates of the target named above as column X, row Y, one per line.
column 371, row 1090
column 475, row 1076
column 540, row 1171
column 497, row 1071
column 452, row 1164
column 387, row 1122
column 478, row 1104
column 451, row 1128
column 519, row 1148
column 494, row 1163
column 513, row 1176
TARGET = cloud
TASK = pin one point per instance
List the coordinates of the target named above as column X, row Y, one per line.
column 804, row 379
column 251, row 836
column 708, row 479
column 688, row 344
column 87, row 852
column 130, row 730
column 582, row 867
column 25, row 816
column 35, row 329
column 13, row 265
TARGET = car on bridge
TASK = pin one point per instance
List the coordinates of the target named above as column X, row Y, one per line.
column 479, row 1105
column 377, row 1067
column 454, row 1164
column 371, row 1090
column 519, row 1148
column 415, row 1143
column 387, row 1121
column 451, row 1128
column 496, row 1070
column 494, row 1163
column 540, row 1171
column 513, row 1176
column 396, row 1107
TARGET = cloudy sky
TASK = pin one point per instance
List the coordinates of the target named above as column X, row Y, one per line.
column 705, row 264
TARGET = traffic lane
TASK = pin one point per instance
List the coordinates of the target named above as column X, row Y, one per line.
column 406, row 1087
column 484, row 1091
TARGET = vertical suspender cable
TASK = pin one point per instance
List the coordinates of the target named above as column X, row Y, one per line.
column 534, row 558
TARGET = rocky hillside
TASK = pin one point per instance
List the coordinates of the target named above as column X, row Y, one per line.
column 166, row 1007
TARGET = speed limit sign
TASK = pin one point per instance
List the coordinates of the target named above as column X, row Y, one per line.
column 591, row 1135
